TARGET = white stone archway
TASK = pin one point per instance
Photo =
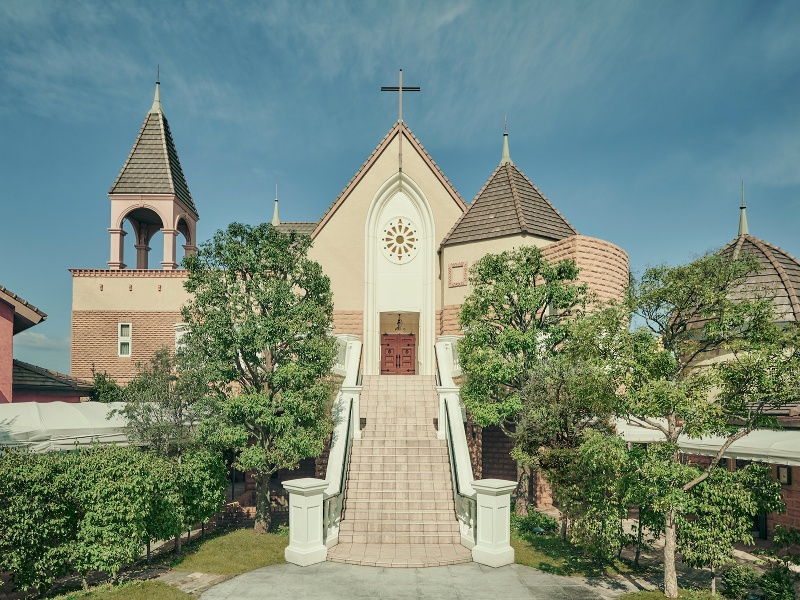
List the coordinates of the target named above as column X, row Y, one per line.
column 392, row 285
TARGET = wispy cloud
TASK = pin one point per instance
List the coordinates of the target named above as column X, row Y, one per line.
column 33, row 340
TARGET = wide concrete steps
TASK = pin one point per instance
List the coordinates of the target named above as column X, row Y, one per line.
column 399, row 508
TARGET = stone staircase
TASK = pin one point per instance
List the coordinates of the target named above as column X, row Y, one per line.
column 399, row 507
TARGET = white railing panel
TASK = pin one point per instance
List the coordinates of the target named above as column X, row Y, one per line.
column 346, row 427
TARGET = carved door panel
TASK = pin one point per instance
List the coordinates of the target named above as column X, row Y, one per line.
column 398, row 354
column 389, row 354
column 408, row 355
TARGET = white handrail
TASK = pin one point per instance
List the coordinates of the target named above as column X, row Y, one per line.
column 451, row 428
column 346, row 426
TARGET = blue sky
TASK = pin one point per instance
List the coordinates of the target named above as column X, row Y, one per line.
column 638, row 120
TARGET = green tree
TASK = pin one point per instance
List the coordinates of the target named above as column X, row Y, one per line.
column 690, row 313
column 258, row 329
column 516, row 315
column 719, row 512
column 162, row 403
column 105, row 389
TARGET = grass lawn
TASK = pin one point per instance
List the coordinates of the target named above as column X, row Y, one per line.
column 134, row 590
column 233, row 553
column 551, row 554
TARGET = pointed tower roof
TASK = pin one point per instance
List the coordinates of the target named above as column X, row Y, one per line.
column 779, row 271
column 152, row 167
column 509, row 204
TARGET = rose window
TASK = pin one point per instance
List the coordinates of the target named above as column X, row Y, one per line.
column 400, row 243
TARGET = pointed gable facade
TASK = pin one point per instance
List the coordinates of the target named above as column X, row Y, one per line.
column 378, row 243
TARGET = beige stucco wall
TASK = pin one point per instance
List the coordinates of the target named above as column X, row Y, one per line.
column 451, row 256
column 340, row 245
column 148, row 291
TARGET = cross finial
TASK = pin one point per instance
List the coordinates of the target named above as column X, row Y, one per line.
column 400, row 89
column 505, row 128
column 158, row 73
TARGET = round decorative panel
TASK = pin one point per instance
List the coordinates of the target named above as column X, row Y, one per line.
column 400, row 243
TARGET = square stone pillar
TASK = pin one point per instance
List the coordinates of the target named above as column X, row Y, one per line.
column 493, row 519
column 306, row 545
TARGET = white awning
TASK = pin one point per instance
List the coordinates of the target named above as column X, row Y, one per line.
column 47, row 426
column 780, row 447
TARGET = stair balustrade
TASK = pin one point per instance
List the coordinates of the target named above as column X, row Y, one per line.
column 483, row 506
column 347, row 425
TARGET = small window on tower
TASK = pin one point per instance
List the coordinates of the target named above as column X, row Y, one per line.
column 124, row 339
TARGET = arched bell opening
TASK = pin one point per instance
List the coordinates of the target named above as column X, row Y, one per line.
column 187, row 229
column 140, row 226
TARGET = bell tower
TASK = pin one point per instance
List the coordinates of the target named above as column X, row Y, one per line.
column 151, row 193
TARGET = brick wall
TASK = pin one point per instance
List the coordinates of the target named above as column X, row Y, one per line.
column 495, row 455
column 791, row 496
column 448, row 320
column 94, row 341
column 604, row 266
column 348, row 321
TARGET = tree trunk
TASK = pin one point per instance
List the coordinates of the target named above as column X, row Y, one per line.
column 202, row 531
column 639, row 535
column 524, row 491
column 178, row 543
column 670, row 546
column 148, row 553
column 713, row 581
column 564, row 522
column 263, row 516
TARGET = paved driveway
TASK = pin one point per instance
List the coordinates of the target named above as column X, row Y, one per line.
column 329, row 580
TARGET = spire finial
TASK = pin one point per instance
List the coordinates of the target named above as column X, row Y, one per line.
column 505, row 159
column 275, row 219
column 157, row 108
column 743, row 215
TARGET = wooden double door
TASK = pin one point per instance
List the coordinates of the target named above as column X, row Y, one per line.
column 398, row 354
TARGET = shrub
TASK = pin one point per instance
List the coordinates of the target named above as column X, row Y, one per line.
column 535, row 522
column 739, row 581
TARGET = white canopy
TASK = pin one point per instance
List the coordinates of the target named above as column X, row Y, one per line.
column 780, row 447
column 47, row 426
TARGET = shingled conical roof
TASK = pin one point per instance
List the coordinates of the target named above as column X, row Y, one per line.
column 509, row 204
column 779, row 273
column 152, row 166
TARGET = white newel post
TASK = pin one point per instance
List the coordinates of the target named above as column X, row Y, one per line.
column 493, row 544
column 306, row 546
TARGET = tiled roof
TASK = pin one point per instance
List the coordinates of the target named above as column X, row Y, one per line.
column 301, row 227
column 779, row 273
column 509, row 204
column 399, row 128
column 30, row 377
column 153, row 167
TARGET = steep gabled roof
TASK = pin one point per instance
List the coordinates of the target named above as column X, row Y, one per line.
column 153, row 167
column 399, row 128
column 509, row 204
column 779, row 273
column 26, row 376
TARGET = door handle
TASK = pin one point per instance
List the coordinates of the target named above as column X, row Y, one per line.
column 397, row 361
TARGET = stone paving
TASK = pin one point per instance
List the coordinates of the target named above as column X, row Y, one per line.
column 328, row 581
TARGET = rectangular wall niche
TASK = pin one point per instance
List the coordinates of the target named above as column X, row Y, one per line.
column 457, row 274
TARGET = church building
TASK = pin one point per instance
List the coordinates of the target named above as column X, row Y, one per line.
column 397, row 244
